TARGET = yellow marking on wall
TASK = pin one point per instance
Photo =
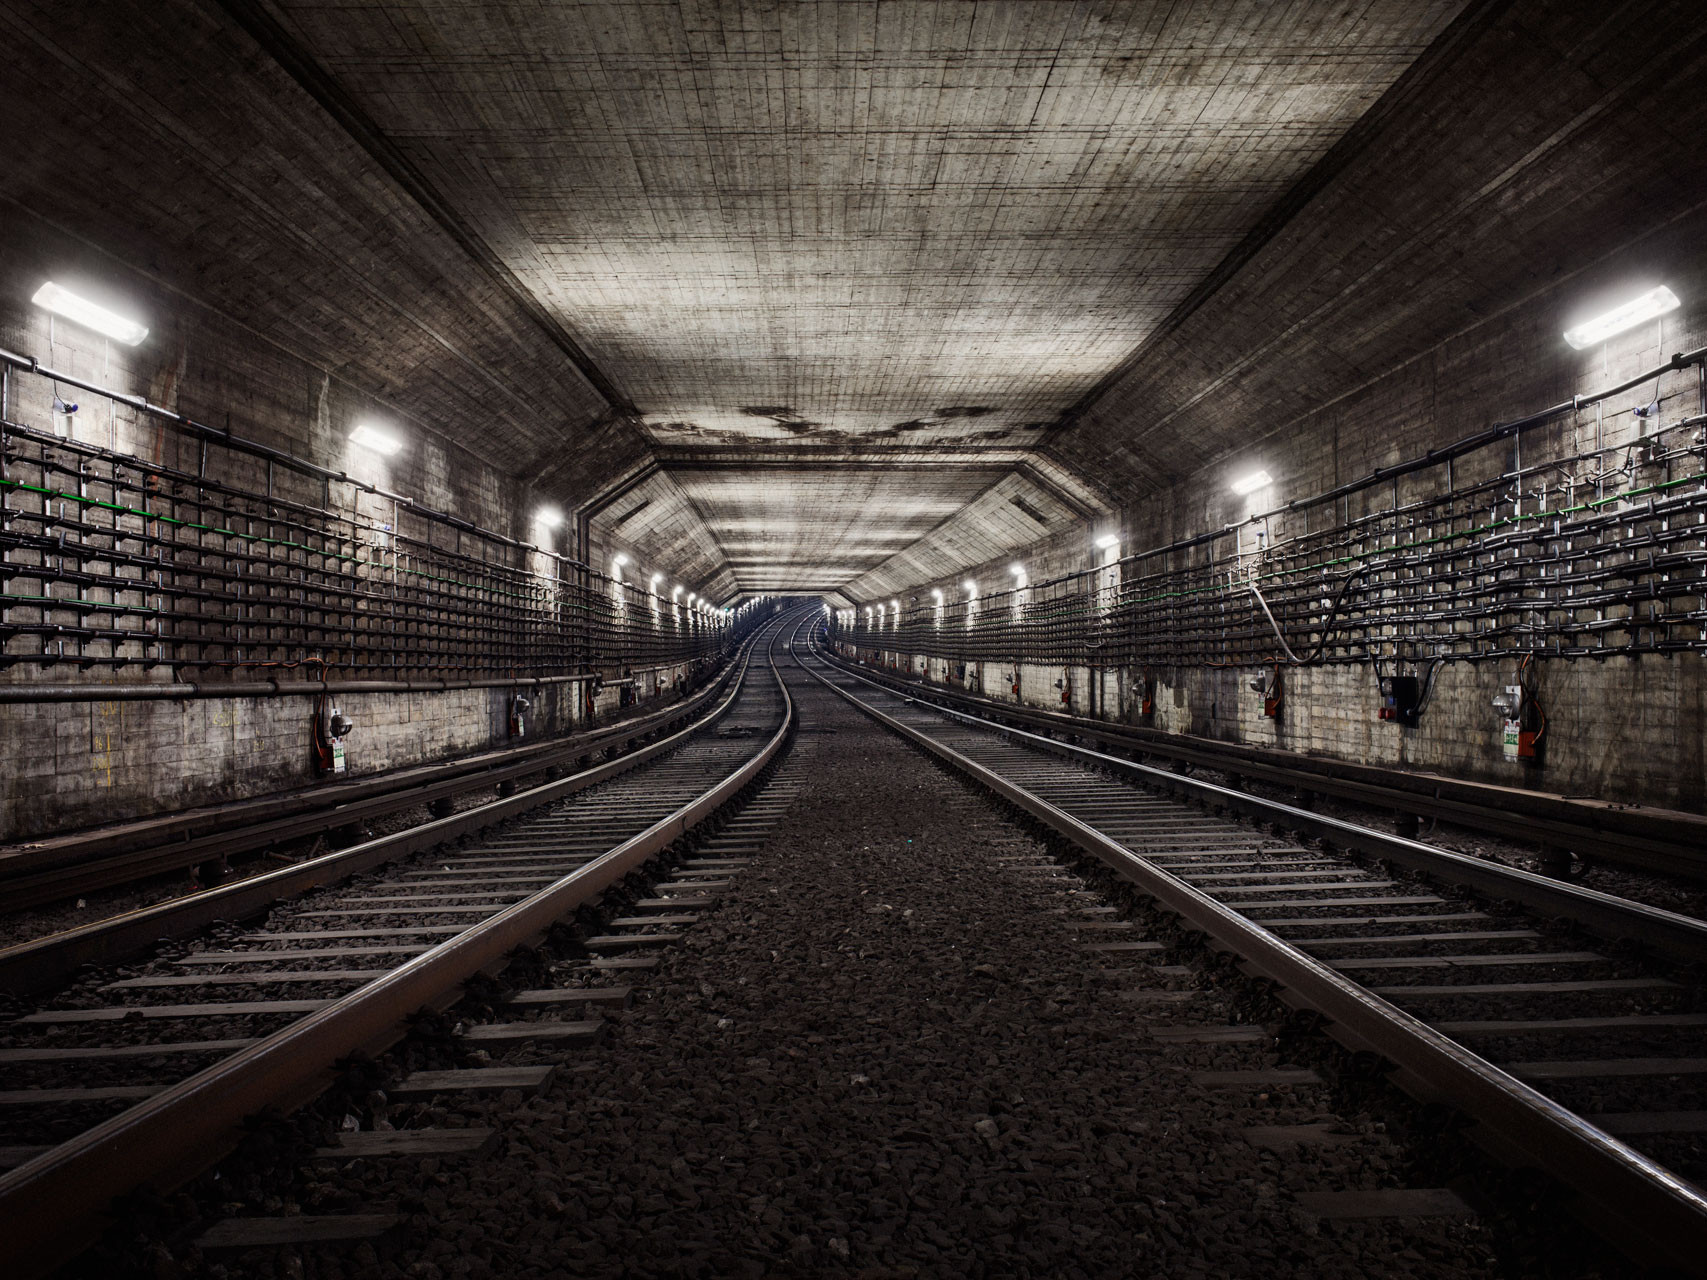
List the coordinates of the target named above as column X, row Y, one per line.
column 106, row 733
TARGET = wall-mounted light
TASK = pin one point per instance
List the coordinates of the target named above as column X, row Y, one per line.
column 1249, row 484
column 617, row 561
column 62, row 302
column 550, row 517
column 1655, row 302
column 970, row 588
column 675, row 593
column 1108, row 540
column 378, row 439
column 656, row 579
column 936, row 595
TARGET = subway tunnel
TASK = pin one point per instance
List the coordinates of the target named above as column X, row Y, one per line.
column 853, row 637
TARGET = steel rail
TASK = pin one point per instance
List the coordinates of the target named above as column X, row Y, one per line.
column 47, row 1205
column 1666, row 841
column 1681, row 937
column 46, row 962
column 1651, row 1206
column 33, row 874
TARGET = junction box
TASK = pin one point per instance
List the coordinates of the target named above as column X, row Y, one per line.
column 1401, row 699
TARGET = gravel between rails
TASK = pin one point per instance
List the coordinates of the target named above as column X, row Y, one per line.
column 886, row 1055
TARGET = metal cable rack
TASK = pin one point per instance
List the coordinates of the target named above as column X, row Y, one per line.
column 128, row 565
column 1467, row 554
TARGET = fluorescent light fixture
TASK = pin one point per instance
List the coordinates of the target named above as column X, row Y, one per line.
column 1655, row 302
column 378, row 439
column 1251, row 483
column 1108, row 540
column 62, row 302
column 551, row 517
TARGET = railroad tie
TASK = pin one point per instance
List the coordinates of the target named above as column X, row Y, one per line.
column 424, row 1085
column 364, row 1144
column 505, row 1034
column 618, row 997
column 238, row 1235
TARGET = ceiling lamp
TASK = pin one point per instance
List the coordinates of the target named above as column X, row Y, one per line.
column 62, row 302
column 1250, row 484
column 378, row 439
column 1655, row 302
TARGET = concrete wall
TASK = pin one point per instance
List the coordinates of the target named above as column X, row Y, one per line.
column 1626, row 727
column 66, row 765
column 69, row 765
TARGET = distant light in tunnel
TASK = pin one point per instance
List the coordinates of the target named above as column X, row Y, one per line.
column 62, row 302
column 1653, row 303
column 1251, row 483
column 1108, row 540
column 378, row 439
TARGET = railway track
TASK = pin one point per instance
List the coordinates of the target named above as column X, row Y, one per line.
column 37, row 872
column 1564, row 1022
column 144, row 1079
column 1649, row 839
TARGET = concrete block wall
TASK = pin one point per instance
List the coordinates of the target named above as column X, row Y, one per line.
column 70, row 765
column 73, row 764
column 1628, row 728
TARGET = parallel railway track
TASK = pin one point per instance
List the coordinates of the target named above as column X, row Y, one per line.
column 265, row 1013
column 37, row 872
column 1601, row 1075
column 1667, row 841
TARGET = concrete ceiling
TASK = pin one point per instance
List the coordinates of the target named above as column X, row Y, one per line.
column 931, row 227
column 827, row 286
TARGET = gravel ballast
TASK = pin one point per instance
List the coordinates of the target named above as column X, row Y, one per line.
column 887, row 1053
